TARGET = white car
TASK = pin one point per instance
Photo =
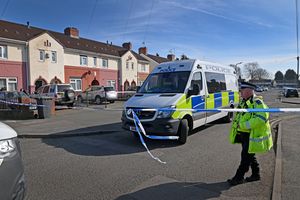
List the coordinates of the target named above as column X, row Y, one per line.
column 12, row 184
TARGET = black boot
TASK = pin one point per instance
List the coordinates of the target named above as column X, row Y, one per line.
column 253, row 177
column 235, row 181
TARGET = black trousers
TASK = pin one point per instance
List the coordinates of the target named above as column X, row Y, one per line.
column 247, row 160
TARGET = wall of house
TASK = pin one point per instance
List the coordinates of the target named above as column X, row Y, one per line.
column 46, row 69
column 14, row 66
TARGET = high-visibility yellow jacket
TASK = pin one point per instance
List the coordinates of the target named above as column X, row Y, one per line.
column 256, row 124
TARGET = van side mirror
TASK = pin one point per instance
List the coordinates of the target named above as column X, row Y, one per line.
column 194, row 90
column 138, row 88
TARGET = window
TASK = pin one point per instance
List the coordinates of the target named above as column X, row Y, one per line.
column 132, row 66
column 111, row 83
column 127, row 65
column 9, row 84
column 197, row 79
column 83, row 60
column 95, row 61
column 3, row 51
column 42, row 55
column 105, row 63
column 171, row 82
column 143, row 67
column 46, row 89
column 76, row 84
column 54, row 57
column 215, row 82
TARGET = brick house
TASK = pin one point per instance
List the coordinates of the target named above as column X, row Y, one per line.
column 31, row 57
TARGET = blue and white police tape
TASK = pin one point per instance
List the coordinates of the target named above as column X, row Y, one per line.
column 139, row 127
column 270, row 110
column 21, row 104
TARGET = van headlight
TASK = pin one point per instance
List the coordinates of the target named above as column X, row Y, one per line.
column 165, row 112
column 7, row 148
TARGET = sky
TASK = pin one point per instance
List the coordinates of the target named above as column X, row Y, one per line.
column 223, row 31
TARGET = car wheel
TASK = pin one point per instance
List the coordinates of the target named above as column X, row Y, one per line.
column 98, row 100
column 183, row 131
column 111, row 101
column 79, row 99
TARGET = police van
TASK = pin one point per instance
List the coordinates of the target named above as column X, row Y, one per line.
column 172, row 89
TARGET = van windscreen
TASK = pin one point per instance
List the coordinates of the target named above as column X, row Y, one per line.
column 174, row 82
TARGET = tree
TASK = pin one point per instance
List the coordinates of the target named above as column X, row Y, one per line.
column 290, row 75
column 251, row 70
column 278, row 76
column 262, row 74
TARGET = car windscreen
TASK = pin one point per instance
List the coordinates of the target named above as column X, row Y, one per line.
column 108, row 89
column 62, row 88
column 173, row 82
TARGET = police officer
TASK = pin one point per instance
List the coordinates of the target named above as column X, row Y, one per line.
column 252, row 130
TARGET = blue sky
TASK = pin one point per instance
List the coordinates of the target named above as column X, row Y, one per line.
column 227, row 32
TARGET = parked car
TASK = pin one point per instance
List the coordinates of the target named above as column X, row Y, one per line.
column 289, row 92
column 16, row 98
column 12, row 182
column 259, row 89
column 63, row 94
column 265, row 88
column 98, row 94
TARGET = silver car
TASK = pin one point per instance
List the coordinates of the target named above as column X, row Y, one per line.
column 12, row 184
column 98, row 94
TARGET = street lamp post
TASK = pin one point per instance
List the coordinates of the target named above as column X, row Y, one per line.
column 297, row 40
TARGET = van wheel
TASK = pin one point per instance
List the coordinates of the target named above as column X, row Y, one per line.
column 228, row 118
column 183, row 131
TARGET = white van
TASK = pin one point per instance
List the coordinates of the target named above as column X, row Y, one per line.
column 12, row 184
column 185, row 84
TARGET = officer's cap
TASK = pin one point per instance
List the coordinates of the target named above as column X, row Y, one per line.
column 247, row 85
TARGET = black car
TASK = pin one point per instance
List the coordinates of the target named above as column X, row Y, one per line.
column 290, row 92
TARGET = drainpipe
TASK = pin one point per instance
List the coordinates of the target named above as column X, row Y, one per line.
column 27, row 67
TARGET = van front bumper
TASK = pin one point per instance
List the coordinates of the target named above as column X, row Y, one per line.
column 160, row 127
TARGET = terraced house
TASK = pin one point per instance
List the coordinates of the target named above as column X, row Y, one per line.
column 31, row 57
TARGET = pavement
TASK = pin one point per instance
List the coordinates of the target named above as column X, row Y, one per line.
column 69, row 123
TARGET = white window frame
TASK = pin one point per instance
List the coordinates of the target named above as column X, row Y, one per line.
column 3, row 51
column 104, row 63
column 53, row 57
column 111, row 83
column 42, row 56
column 143, row 68
column 8, row 81
column 83, row 60
column 95, row 61
column 77, row 82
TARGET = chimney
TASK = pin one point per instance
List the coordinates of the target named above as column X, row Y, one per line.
column 171, row 57
column 143, row 50
column 28, row 24
column 72, row 32
column 127, row 45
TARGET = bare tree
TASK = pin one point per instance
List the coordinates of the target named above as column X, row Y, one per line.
column 237, row 70
column 250, row 70
column 262, row 74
